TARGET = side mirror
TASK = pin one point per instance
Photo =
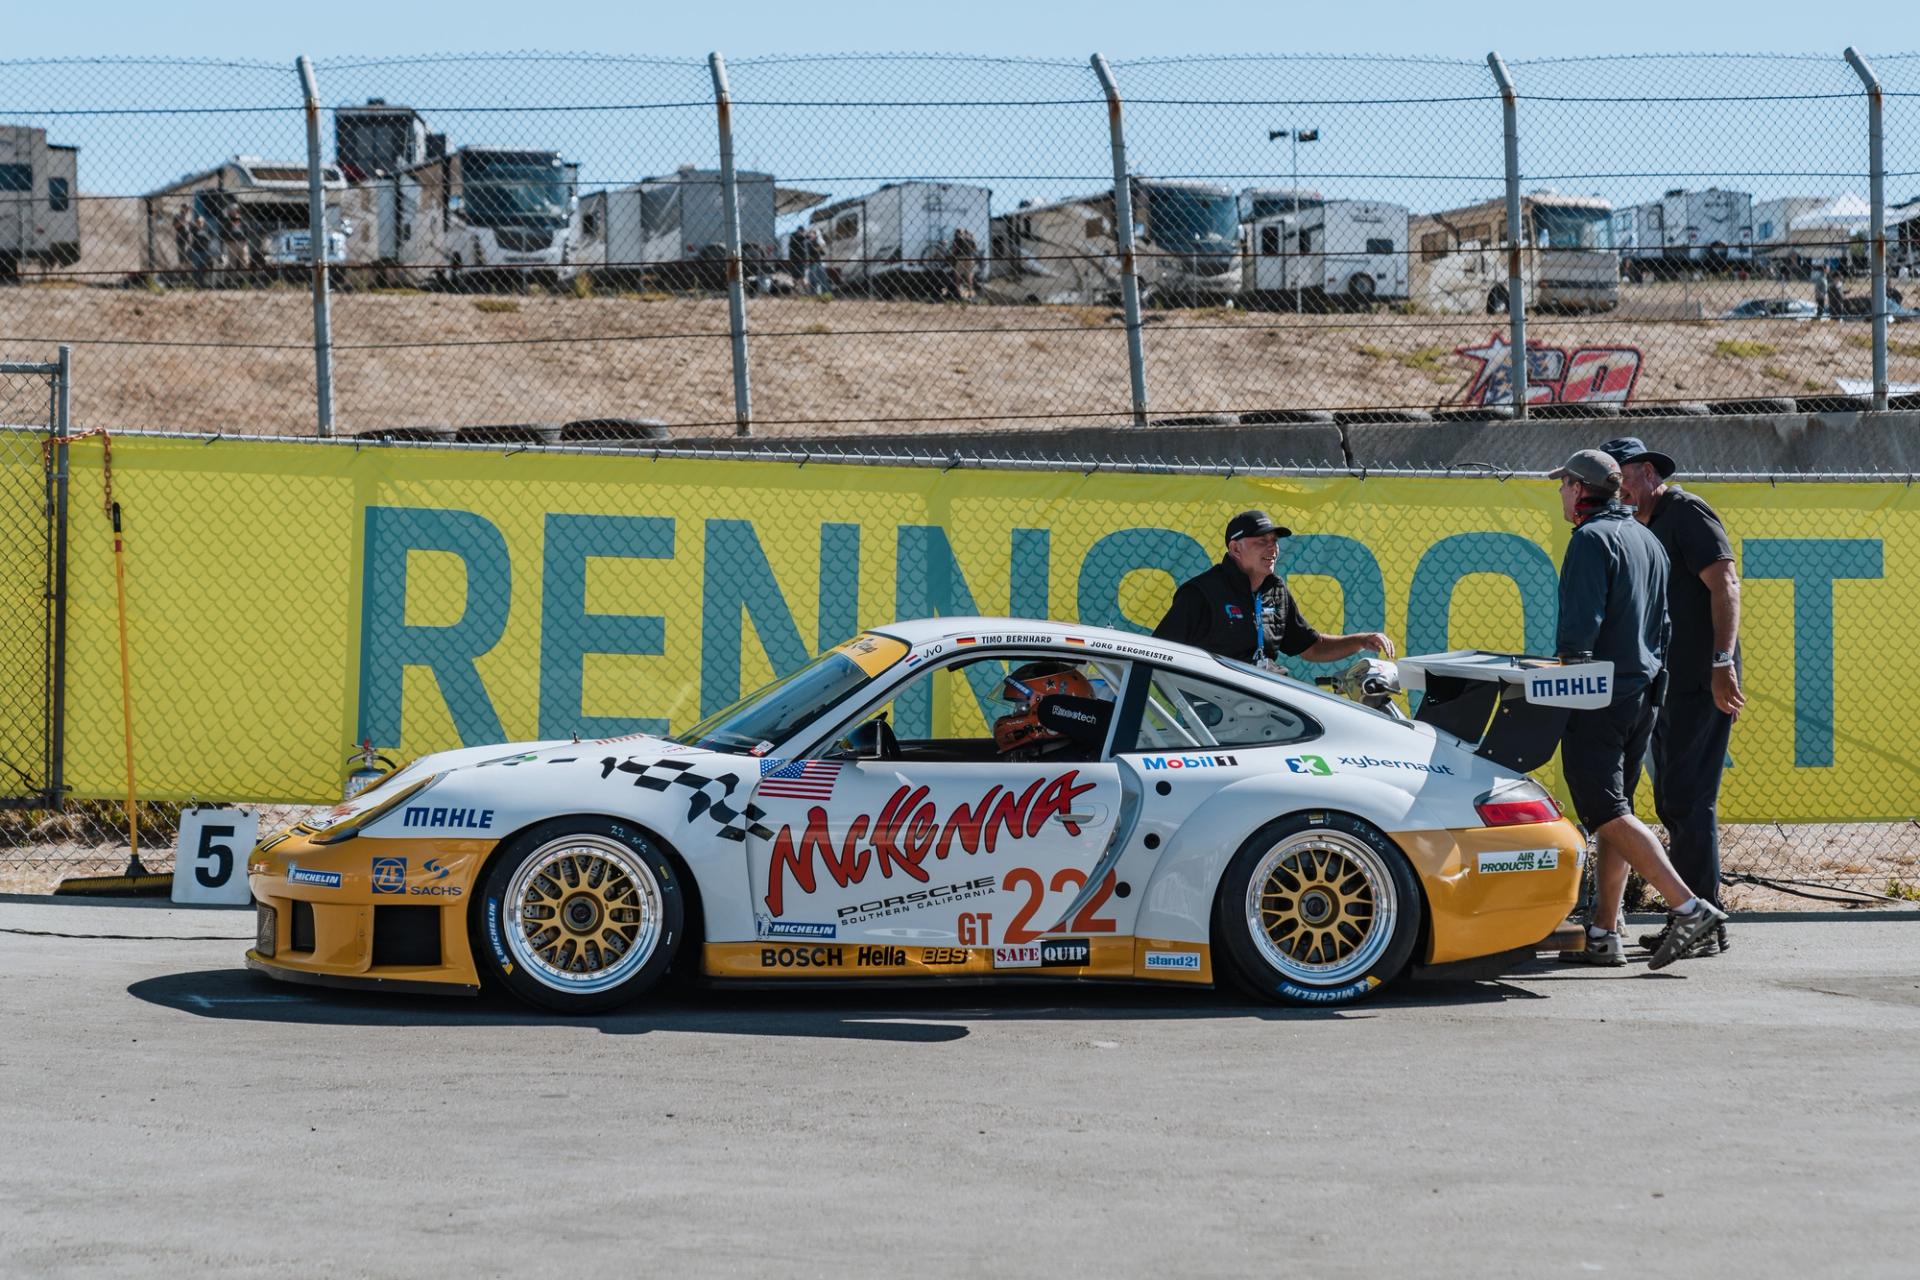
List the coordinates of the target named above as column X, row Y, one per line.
column 863, row 742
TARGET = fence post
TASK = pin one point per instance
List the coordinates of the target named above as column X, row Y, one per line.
column 1877, row 230
column 736, row 286
column 1516, row 282
column 57, row 695
column 317, row 251
column 1123, row 232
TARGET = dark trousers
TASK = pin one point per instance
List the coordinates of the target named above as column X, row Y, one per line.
column 1689, row 754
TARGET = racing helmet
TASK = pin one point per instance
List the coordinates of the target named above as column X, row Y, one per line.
column 1024, row 687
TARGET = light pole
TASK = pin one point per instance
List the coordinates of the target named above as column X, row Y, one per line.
column 1297, row 136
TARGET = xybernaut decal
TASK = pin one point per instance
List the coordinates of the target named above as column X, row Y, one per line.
column 1502, row 860
column 909, row 829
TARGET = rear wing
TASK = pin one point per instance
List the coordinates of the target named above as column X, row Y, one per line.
column 1512, row 707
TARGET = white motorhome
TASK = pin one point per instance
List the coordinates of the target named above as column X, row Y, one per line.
column 899, row 238
column 1347, row 252
column 1709, row 229
column 469, row 215
column 1257, row 203
column 1460, row 263
column 673, row 230
column 1186, row 246
column 256, row 215
column 39, row 205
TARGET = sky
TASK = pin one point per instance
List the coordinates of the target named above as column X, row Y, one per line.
column 1420, row 126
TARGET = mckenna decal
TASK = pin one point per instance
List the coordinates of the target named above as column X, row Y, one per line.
column 1189, row 961
column 1503, row 860
column 296, row 874
column 899, row 902
column 909, row 829
column 1188, row 762
column 796, row 929
column 389, row 875
column 453, row 819
column 1316, row 765
column 1373, row 762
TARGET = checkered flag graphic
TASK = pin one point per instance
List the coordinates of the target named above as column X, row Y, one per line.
column 711, row 795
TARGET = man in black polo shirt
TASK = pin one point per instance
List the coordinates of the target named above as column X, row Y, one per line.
column 1703, row 662
column 1613, row 608
column 1241, row 609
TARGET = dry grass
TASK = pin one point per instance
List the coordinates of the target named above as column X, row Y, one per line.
column 1742, row 349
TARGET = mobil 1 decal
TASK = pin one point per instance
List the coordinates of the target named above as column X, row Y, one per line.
column 928, row 846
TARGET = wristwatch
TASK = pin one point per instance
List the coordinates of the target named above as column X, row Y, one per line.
column 1722, row 658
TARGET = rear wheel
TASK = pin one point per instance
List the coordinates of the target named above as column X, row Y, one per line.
column 579, row 915
column 1317, row 912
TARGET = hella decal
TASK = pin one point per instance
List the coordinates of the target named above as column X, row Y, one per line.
column 445, row 818
column 1187, row 762
column 297, row 874
column 910, row 829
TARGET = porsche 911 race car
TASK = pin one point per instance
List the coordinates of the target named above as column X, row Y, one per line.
column 963, row 798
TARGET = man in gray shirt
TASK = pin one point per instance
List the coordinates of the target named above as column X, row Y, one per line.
column 1613, row 607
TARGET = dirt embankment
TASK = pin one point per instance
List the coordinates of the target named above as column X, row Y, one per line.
column 241, row 360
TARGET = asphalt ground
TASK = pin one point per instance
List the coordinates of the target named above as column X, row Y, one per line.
column 163, row 1111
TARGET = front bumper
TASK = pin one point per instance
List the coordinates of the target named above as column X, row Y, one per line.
column 386, row 914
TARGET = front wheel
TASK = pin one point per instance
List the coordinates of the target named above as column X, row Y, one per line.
column 578, row 915
column 1317, row 912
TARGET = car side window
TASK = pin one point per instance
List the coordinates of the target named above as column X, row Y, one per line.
column 1183, row 712
column 994, row 708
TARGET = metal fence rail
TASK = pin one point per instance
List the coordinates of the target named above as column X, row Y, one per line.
column 543, row 246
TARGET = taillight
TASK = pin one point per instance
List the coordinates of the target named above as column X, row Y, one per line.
column 1515, row 802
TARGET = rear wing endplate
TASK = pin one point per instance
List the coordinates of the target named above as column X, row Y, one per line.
column 1512, row 707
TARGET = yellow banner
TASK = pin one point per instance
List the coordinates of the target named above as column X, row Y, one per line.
column 289, row 599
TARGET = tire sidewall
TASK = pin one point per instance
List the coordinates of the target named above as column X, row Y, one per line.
column 1250, row 969
column 487, row 925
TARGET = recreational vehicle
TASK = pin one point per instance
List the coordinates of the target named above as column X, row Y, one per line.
column 1460, row 263
column 1257, row 203
column 472, row 214
column 899, row 239
column 255, row 218
column 1709, row 229
column 1186, row 244
column 673, row 230
column 39, row 209
column 1350, row 253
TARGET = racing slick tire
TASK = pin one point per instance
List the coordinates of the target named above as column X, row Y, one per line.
column 578, row 915
column 1319, row 910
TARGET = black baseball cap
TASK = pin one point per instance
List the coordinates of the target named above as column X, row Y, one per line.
column 1251, row 524
column 1633, row 449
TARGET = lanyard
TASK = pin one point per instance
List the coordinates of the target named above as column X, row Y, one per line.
column 1259, row 630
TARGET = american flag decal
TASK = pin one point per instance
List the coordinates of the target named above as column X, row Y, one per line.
column 798, row 779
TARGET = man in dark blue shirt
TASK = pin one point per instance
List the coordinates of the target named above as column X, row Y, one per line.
column 1613, row 607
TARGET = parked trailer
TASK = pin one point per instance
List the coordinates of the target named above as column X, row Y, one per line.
column 256, row 216
column 39, row 211
column 898, row 239
column 471, row 216
column 1352, row 253
column 1186, row 243
column 1776, row 244
column 673, row 230
column 1710, row 230
column 1459, row 262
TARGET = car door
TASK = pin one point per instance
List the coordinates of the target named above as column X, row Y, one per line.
column 932, row 840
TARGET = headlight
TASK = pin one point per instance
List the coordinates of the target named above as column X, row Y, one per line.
column 349, row 825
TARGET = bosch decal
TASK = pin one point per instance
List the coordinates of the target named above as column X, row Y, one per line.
column 1188, row 762
column 389, row 875
column 909, row 828
column 297, row 874
column 802, row 958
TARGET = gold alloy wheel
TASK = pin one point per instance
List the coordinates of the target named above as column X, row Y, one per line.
column 1321, row 907
column 582, row 913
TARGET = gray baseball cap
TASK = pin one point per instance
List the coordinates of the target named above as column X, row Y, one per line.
column 1589, row 467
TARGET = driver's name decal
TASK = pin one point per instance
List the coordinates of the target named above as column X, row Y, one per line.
column 909, row 828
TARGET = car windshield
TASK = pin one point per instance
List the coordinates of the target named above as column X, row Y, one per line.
column 1572, row 227
column 776, row 711
column 1183, row 217
column 515, row 189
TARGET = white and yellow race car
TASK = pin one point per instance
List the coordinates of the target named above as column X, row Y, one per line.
column 962, row 798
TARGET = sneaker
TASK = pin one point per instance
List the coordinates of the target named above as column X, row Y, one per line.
column 1652, row 941
column 1605, row 950
column 1686, row 930
column 1711, row 945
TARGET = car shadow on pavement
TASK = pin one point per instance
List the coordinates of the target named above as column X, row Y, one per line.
column 919, row 1015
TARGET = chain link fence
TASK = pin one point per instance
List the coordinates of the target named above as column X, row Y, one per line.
column 538, row 247
column 289, row 599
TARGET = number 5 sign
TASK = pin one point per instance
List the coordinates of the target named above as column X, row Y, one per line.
column 210, row 862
